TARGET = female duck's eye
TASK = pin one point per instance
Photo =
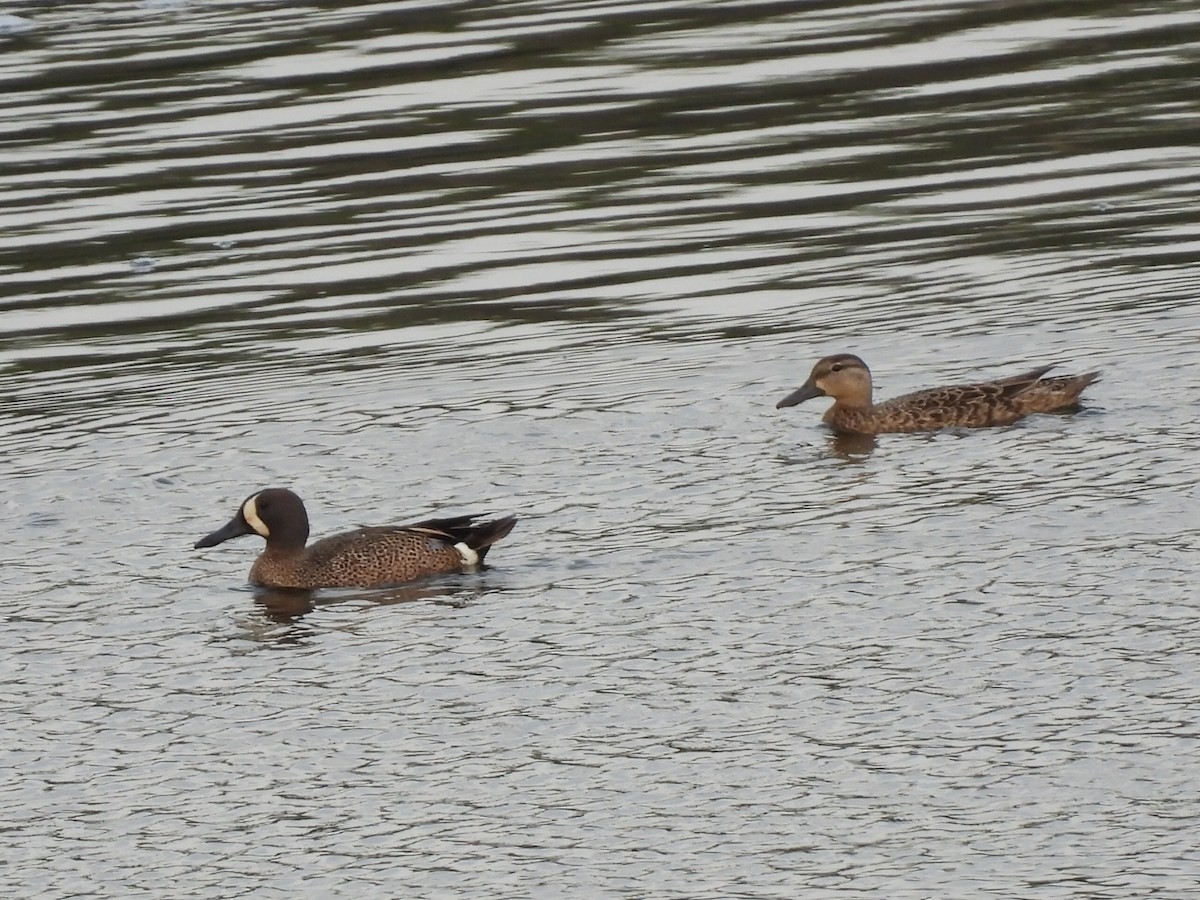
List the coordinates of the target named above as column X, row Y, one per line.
column 837, row 367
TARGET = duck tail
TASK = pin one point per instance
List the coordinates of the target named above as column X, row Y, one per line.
column 1025, row 378
column 465, row 530
column 1062, row 392
column 1070, row 384
column 480, row 537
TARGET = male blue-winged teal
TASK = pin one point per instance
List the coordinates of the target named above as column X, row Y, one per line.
column 847, row 380
column 365, row 557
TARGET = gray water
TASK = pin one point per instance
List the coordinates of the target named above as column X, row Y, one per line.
column 561, row 259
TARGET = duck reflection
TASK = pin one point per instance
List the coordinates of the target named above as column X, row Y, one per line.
column 851, row 447
column 282, row 605
column 286, row 605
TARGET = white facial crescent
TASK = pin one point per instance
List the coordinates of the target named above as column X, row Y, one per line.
column 250, row 513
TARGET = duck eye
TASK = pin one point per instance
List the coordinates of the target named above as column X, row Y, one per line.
column 836, row 367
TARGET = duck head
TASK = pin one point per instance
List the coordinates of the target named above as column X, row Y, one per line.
column 844, row 377
column 275, row 514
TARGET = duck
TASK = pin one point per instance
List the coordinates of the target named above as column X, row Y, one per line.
column 366, row 557
column 846, row 378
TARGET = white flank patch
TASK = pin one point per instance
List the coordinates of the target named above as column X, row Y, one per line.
column 250, row 513
column 470, row 557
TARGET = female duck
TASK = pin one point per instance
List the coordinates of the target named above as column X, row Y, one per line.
column 847, row 380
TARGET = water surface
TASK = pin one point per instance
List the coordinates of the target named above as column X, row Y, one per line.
column 561, row 259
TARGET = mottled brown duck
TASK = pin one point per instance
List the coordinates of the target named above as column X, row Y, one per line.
column 365, row 557
column 846, row 379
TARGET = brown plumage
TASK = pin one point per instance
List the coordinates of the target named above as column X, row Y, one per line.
column 847, row 380
column 366, row 557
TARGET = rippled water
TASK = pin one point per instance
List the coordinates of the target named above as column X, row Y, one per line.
column 561, row 259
